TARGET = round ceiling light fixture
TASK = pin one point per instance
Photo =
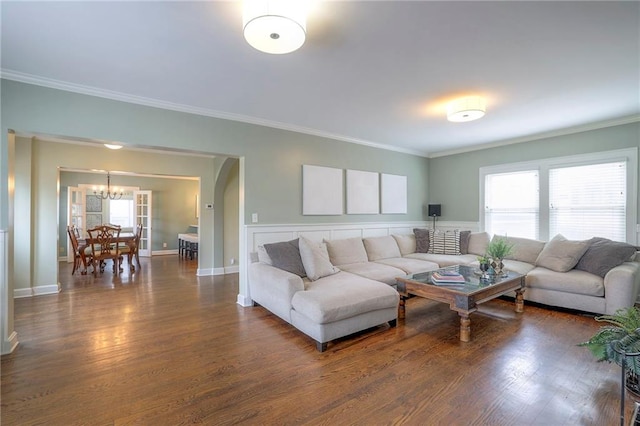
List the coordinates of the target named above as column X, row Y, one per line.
column 466, row 109
column 112, row 146
column 275, row 26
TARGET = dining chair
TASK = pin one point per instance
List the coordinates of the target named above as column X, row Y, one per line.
column 130, row 249
column 104, row 246
column 75, row 246
column 136, row 251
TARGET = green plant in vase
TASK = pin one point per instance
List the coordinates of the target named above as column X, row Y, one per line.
column 622, row 332
column 497, row 250
column 485, row 263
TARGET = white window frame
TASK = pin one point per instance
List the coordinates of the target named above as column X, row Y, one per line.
column 630, row 155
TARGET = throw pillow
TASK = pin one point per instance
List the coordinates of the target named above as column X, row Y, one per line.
column 604, row 255
column 406, row 243
column 263, row 256
column 560, row 254
column 381, row 248
column 464, row 241
column 315, row 259
column 286, row 255
column 422, row 240
column 444, row 242
column 346, row 251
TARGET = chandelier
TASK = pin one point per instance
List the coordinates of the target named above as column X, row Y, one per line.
column 108, row 195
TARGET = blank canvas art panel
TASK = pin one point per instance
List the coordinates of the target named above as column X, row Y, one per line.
column 322, row 190
column 394, row 194
column 363, row 192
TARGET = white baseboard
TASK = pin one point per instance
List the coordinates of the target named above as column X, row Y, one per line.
column 47, row 289
column 163, row 252
column 10, row 344
column 244, row 301
column 205, row 272
column 231, row 269
column 22, row 292
column 19, row 293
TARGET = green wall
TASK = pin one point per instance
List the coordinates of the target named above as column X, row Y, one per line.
column 454, row 180
column 273, row 157
column 173, row 204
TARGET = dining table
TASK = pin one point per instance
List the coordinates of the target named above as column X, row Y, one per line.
column 129, row 239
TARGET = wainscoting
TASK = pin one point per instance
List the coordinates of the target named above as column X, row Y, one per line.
column 256, row 235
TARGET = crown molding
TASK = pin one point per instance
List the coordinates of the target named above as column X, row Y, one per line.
column 139, row 100
column 545, row 135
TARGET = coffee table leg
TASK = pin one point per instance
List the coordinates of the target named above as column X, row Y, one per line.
column 519, row 301
column 401, row 307
column 465, row 327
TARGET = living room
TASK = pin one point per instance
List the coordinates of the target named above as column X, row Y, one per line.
column 271, row 155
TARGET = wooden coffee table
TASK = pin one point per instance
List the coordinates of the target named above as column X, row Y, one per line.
column 461, row 297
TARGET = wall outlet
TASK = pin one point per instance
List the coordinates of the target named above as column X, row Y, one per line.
column 254, row 218
column 164, row 245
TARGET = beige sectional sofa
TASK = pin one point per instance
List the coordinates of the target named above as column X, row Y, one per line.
column 334, row 288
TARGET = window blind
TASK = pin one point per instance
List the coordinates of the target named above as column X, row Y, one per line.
column 589, row 200
column 512, row 204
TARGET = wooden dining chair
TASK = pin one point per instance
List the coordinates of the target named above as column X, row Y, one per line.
column 75, row 246
column 104, row 246
column 137, row 243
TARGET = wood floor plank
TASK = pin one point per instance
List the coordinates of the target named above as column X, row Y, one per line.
column 160, row 346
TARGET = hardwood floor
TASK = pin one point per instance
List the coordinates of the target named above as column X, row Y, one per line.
column 164, row 347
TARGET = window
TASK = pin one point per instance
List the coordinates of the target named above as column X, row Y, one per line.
column 588, row 200
column 121, row 213
column 512, row 204
column 579, row 197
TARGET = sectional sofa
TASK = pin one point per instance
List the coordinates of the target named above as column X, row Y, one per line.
column 335, row 288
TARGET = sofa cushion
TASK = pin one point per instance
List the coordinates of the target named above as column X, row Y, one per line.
column 381, row 248
column 347, row 250
column 286, row 255
column 422, row 240
column 444, row 259
column 315, row 259
column 444, row 242
column 375, row 271
column 406, row 243
column 464, row 241
column 522, row 268
column 408, row 265
column 343, row 295
column 560, row 254
column 524, row 249
column 602, row 255
column 573, row 281
column 478, row 242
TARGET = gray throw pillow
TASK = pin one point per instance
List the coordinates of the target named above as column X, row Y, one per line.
column 286, row 256
column 604, row 255
column 422, row 240
column 464, row 242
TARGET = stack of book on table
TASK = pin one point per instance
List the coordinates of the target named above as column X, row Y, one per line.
column 447, row 277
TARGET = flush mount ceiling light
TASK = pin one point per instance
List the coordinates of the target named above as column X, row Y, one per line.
column 466, row 109
column 112, row 146
column 275, row 26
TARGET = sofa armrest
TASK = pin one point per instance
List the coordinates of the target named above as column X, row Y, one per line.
column 621, row 286
column 273, row 288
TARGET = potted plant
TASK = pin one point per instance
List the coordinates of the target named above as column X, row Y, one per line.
column 484, row 262
column 497, row 250
column 622, row 327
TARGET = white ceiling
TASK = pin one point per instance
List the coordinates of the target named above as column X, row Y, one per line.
column 373, row 72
